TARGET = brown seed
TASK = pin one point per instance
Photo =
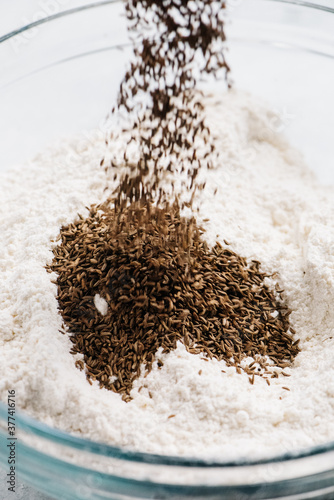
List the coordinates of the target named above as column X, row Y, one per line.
column 145, row 269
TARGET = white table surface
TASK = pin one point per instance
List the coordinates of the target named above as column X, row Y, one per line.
column 14, row 14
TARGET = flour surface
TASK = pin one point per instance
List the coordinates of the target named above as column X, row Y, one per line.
column 269, row 207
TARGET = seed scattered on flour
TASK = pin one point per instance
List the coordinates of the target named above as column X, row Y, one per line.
column 36, row 201
column 162, row 284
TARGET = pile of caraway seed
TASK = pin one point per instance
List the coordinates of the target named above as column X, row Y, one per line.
column 162, row 284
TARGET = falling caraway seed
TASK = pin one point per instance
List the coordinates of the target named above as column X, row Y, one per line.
column 162, row 284
column 159, row 107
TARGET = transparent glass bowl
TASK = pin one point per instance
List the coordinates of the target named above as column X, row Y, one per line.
column 60, row 76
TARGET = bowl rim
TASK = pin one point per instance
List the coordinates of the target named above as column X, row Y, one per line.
column 39, row 429
column 101, row 3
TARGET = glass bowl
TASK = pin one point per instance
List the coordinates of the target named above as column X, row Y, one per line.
column 59, row 76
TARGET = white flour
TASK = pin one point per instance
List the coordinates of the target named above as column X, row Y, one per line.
column 269, row 207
